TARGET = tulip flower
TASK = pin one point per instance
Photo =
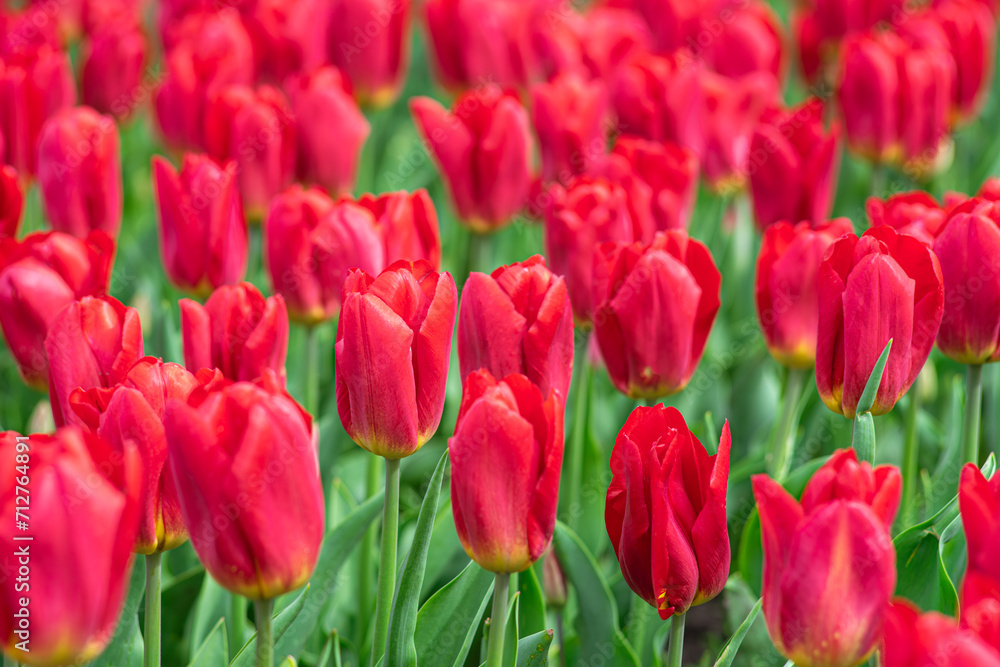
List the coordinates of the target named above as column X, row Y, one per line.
column 518, row 320
column 794, row 164
column 609, row 37
column 83, row 509
column 821, row 609
column 288, row 37
column 369, row 41
column 971, row 30
column 331, row 129
column 666, row 511
column 979, row 500
column 506, row 457
column 579, row 219
column 247, row 477
column 11, row 202
column 483, row 148
column 113, row 60
column 39, row 276
column 568, row 115
column 869, row 95
column 408, row 223
column 751, row 42
column 80, row 172
column 915, row 213
column 671, row 172
column 913, row 639
column 312, row 244
column 203, row 236
column 92, row 343
column 654, row 306
column 786, row 287
column 392, row 353
column 675, row 24
column 237, row 331
column 881, row 286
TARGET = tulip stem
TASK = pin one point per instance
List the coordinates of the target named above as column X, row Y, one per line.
column 574, row 463
column 387, row 559
column 973, row 412
column 312, row 371
column 151, row 634
column 675, row 650
column 365, row 557
column 783, row 447
column 498, row 621
column 265, row 638
column 237, row 624
column 911, row 451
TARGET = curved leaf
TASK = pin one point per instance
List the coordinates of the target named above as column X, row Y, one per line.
column 449, row 620
column 214, row 650
column 279, row 626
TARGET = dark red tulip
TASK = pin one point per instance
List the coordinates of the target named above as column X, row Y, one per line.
column 113, row 59
column 912, row 639
column 506, row 458
column 408, row 223
column 288, row 36
column 670, row 171
column 666, row 511
column 915, row 213
column 979, row 500
column 392, row 353
column 568, row 114
column 654, row 306
column 11, row 202
column 369, row 41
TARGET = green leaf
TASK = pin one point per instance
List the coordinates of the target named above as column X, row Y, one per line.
column 279, row 626
column 214, row 650
column 733, row 645
column 403, row 623
column 213, row 604
column 449, row 620
column 921, row 576
column 532, row 614
column 511, row 632
column 867, row 399
column 597, row 620
column 863, row 439
column 533, row 650
column 125, row 649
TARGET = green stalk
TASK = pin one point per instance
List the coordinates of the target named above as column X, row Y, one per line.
column 675, row 650
column 387, row 559
column 236, row 629
column 365, row 558
column 574, row 462
column 311, row 392
column 911, row 450
column 498, row 621
column 151, row 635
column 973, row 413
column 783, row 447
column 265, row 637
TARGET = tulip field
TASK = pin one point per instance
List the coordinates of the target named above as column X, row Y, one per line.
column 597, row 333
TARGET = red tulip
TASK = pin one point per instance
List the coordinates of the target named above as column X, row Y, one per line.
column 288, row 36
column 518, row 320
column 92, row 343
column 331, row 130
column 254, row 129
column 869, row 95
column 369, row 40
column 80, row 172
column 913, row 639
column 237, row 331
column 408, row 223
column 823, row 609
column 971, row 30
column 654, row 306
column 609, row 37
column 506, row 457
column 483, row 148
column 666, row 511
column 247, row 477
column 113, row 59
column 794, row 162
column 203, row 236
column 671, row 172
column 83, row 511
column 312, row 244
column 568, row 114
column 39, row 276
column 979, row 500
column 133, row 411
column 675, row 24
column 392, row 353
column 11, row 202
column 751, row 41
column 787, row 286
column 915, row 213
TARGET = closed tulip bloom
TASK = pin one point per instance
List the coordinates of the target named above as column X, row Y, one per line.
column 979, row 501
column 915, row 213
column 654, row 306
column 39, row 276
column 971, row 30
column 312, row 243
column 86, row 494
column 369, row 41
column 753, row 42
column 203, row 235
column 913, row 639
column 927, row 79
column 331, row 130
column 288, row 36
column 11, row 202
column 666, row 511
column 483, row 148
column 506, row 458
column 80, row 172
column 869, row 95
column 675, row 24
column 671, row 172
column 518, row 320
column 786, row 287
column 92, row 343
column 221, row 441
column 609, row 37
column 881, row 286
column 237, row 331
column 392, row 353
column 113, row 60
column 794, row 162
column 568, row 114
column 408, row 223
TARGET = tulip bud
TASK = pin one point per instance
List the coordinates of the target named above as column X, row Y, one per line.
column 80, row 172
column 288, row 36
column 671, row 172
column 666, row 511
column 506, row 457
column 794, row 164
column 869, row 95
column 203, row 236
column 518, row 320
column 913, row 639
column 39, row 276
column 312, row 244
column 369, row 41
column 553, row 581
column 83, row 509
column 408, row 223
column 237, row 331
column 979, row 501
column 915, row 213
column 331, row 130
column 483, row 148
column 392, row 353
column 568, row 115
column 787, row 287
column 113, row 60
column 753, row 42
column 971, row 30
column 92, row 343
column 879, row 287
column 11, row 202
column 654, row 306
column 247, row 477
